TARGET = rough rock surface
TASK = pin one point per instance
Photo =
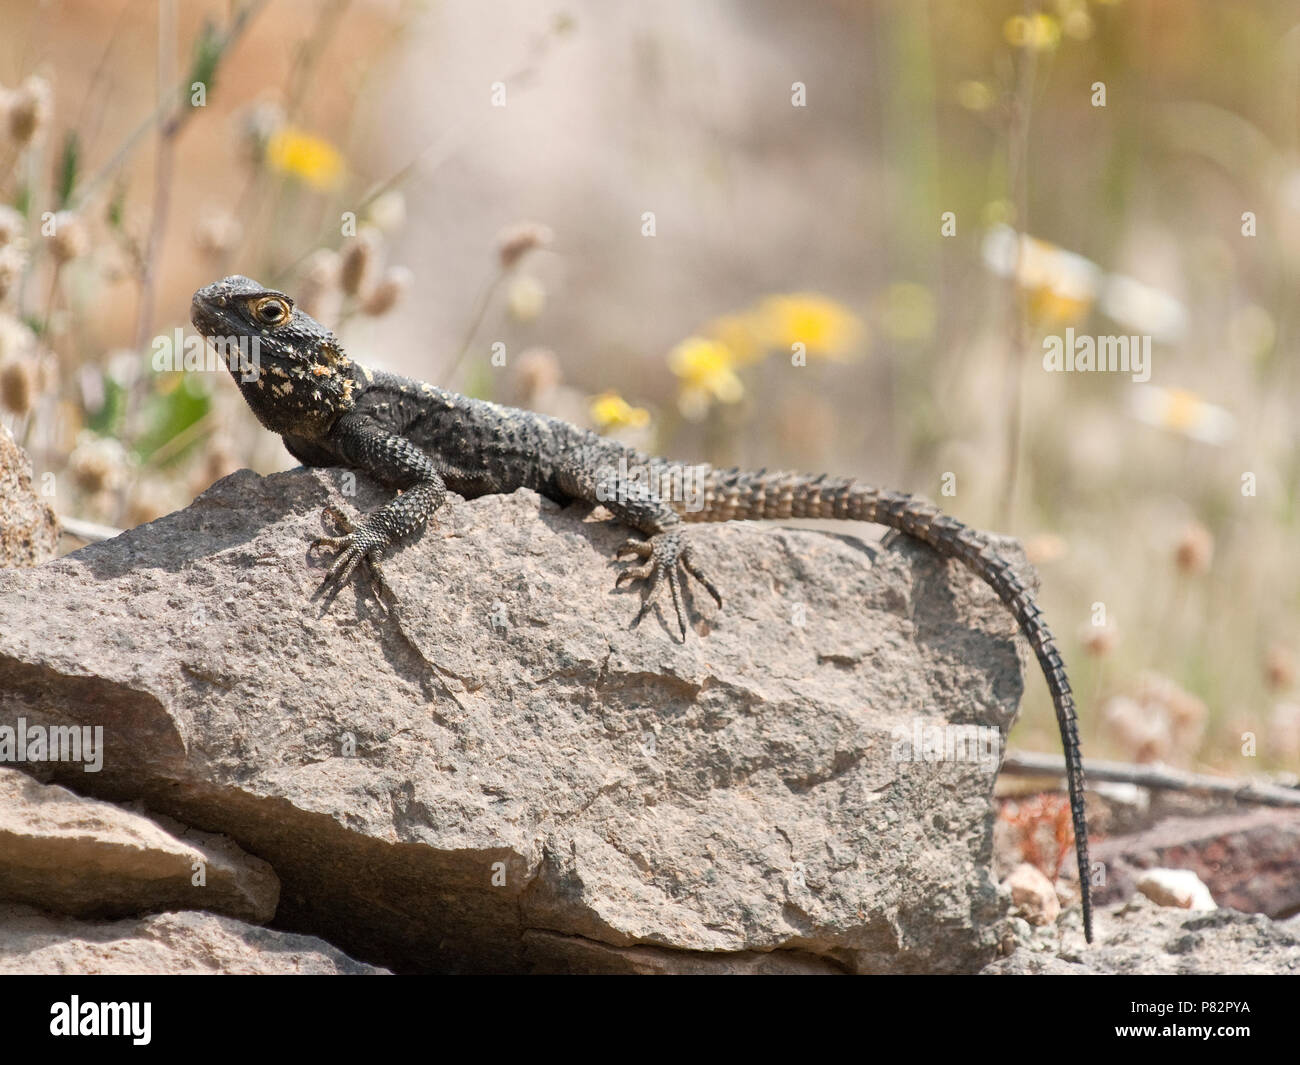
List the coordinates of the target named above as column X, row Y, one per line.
column 29, row 531
column 89, row 858
column 1140, row 937
column 188, row 942
column 592, row 796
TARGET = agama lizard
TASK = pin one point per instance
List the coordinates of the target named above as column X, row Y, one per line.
column 423, row 441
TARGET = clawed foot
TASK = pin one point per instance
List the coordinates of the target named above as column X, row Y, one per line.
column 662, row 553
column 357, row 544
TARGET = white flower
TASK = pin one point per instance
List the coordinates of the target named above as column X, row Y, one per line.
column 1143, row 308
column 1184, row 412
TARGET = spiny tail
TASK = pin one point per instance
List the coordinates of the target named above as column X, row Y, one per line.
column 732, row 494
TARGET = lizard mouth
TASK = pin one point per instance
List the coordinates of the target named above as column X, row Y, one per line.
column 204, row 314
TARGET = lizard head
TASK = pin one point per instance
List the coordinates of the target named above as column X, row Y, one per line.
column 291, row 369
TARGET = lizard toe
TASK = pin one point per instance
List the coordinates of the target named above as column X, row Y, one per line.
column 640, row 548
column 663, row 553
column 692, row 567
column 636, row 573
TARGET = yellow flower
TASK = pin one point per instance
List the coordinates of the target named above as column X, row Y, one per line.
column 975, row 96
column 1051, row 307
column 1061, row 286
column 736, row 333
column 825, row 328
column 609, row 410
column 304, row 156
column 1184, row 412
column 1078, row 24
column 706, row 369
column 1040, row 32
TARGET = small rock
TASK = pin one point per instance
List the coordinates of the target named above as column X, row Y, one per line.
column 1033, row 895
column 1176, row 887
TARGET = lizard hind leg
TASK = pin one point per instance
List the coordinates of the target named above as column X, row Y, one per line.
column 663, row 553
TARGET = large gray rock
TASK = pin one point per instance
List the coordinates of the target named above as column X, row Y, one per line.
column 32, row 942
column 528, row 773
column 29, row 531
column 90, row 858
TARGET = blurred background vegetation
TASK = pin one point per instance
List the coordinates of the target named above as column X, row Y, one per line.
column 502, row 161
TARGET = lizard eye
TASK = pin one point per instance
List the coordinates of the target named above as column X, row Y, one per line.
column 271, row 311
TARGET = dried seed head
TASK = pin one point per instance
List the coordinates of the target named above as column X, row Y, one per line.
column 17, row 341
column 515, row 242
column 12, row 225
column 27, row 110
column 13, row 260
column 70, row 239
column 1195, row 550
column 1141, row 735
column 360, row 258
column 1098, row 640
column 114, row 263
column 1284, row 731
column 97, row 464
column 537, row 372
column 318, row 292
column 1040, row 550
column 391, row 288
column 322, row 268
column 20, row 383
column 217, row 233
column 1279, row 667
column 1184, row 713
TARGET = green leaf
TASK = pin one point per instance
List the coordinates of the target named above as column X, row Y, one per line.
column 66, row 179
column 208, row 48
column 116, row 209
column 107, row 421
column 167, row 414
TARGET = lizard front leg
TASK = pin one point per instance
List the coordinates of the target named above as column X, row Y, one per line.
column 395, row 461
